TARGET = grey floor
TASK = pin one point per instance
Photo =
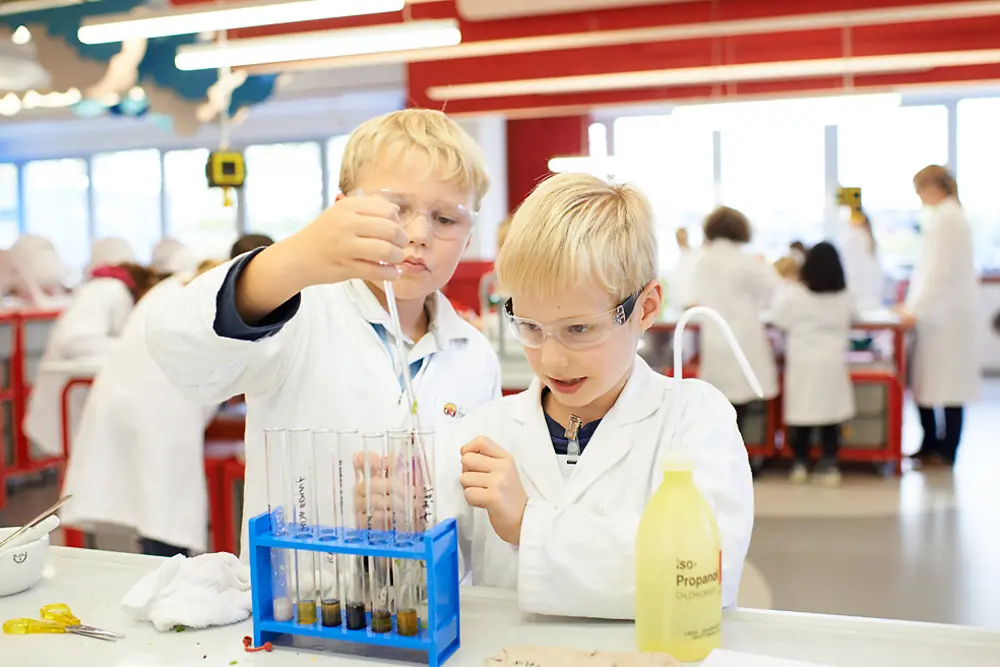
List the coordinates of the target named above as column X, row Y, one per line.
column 922, row 547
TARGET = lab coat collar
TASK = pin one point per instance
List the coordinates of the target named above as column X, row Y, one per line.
column 445, row 324
column 609, row 444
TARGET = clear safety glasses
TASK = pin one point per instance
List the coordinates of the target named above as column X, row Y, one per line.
column 575, row 333
column 447, row 220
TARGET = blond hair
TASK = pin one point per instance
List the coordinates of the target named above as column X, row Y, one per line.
column 575, row 228
column 502, row 232
column 454, row 155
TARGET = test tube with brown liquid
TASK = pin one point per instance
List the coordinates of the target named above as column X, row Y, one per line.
column 328, row 509
column 404, row 496
column 426, row 511
column 378, row 501
column 278, row 465
column 353, row 510
column 303, row 490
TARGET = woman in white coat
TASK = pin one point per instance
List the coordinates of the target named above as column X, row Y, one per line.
column 816, row 315
column 37, row 272
column 740, row 288
column 943, row 304
column 139, row 450
column 862, row 267
column 85, row 331
column 108, row 251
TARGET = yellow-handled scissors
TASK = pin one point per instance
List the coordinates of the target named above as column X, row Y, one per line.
column 57, row 619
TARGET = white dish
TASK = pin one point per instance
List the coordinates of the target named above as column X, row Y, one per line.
column 21, row 567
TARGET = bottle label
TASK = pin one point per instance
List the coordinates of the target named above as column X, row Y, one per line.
column 694, row 581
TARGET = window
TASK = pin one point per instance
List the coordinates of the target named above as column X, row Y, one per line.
column 196, row 214
column 880, row 153
column 979, row 174
column 56, row 207
column 127, row 191
column 673, row 163
column 776, row 176
column 284, row 189
column 8, row 205
column 334, row 157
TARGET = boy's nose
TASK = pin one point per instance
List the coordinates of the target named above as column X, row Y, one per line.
column 554, row 353
column 419, row 228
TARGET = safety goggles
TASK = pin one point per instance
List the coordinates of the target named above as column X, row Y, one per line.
column 575, row 333
column 448, row 221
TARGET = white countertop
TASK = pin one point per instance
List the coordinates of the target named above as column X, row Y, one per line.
column 92, row 583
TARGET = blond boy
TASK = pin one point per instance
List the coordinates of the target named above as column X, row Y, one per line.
column 556, row 519
column 301, row 328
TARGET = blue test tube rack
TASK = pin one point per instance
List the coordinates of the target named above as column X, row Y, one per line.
column 437, row 547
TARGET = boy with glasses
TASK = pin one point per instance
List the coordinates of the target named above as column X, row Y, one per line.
column 561, row 473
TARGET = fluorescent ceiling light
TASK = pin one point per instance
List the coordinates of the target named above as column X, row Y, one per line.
column 829, row 110
column 773, row 71
column 25, row 6
column 602, row 167
column 117, row 28
column 323, row 44
column 21, row 36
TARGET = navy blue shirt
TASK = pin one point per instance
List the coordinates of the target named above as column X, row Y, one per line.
column 228, row 322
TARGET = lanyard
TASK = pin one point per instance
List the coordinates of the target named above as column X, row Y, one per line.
column 414, row 367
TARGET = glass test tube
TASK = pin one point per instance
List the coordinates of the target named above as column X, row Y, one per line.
column 303, row 490
column 353, row 520
column 377, row 499
column 328, row 518
column 426, row 514
column 277, row 457
column 404, row 496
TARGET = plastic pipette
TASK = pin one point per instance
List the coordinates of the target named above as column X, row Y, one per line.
column 411, row 396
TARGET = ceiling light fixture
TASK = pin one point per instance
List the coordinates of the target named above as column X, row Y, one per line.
column 121, row 27
column 323, row 44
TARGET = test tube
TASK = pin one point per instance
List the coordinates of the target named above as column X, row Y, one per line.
column 406, row 572
column 376, row 459
column 277, row 458
column 304, row 501
column 426, row 514
column 325, row 472
column 353, row 520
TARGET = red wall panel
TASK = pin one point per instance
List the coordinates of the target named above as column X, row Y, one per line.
column 530, row 144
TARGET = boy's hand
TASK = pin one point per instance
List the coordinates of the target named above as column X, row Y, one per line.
column 357, row 237
column 490, row 480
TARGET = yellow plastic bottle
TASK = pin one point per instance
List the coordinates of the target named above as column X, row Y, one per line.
column 678, row 570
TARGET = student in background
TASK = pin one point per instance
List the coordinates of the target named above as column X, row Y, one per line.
column 943, row 305
column 301, row 328
column 108, row 251
column 138, row 455
column 37, row 273
column 249, row 242
column 88, row 329
column 862, row 267
column 560, row 526
column 170, row 257
column 681, row 288
column 740, row 288
column 816, row 316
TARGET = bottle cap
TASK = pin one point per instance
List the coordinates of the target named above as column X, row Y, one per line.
column 677, row 459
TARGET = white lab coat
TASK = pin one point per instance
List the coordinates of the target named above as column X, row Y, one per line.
column 87, row 329
column 326, row 369
column 818, row 389
column 944, row 298
column 739, row 287
column 681, row 282
column 138, row 458
column 862, row 268
column 577, row 549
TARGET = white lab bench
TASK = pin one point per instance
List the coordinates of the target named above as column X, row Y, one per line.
column 93, row 583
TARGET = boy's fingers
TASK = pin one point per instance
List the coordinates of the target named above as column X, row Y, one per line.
column 375, row 273
column 478, row 497
column 485, row 446
column 373, row 205
column 376, row 251
column 473, row 462
column 383, row 229
column 475, row 479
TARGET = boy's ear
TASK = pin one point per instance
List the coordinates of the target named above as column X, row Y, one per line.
column 650, row 304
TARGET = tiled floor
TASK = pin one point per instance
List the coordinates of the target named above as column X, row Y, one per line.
column 924, row 547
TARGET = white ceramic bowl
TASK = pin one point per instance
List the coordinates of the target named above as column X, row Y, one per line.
column 21, row 567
